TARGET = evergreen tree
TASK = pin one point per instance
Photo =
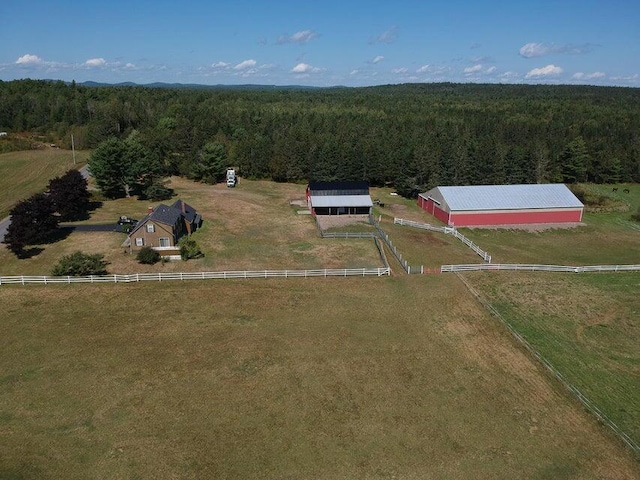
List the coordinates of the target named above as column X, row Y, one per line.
column 211, row 163
column 575, row 161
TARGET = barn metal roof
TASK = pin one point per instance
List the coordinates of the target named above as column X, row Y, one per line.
column 341, row 201
column 506, row 197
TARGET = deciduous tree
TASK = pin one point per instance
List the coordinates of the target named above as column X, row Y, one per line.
column 69, row 195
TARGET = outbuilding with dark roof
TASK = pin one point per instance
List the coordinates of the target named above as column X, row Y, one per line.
column 339, row 198
column 483, row 205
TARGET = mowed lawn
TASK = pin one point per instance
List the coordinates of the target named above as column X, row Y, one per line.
column 250, row 227
column 24, row 173
column 401, row 377
column 587, row 326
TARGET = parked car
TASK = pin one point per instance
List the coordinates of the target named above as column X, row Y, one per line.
column 126, row 221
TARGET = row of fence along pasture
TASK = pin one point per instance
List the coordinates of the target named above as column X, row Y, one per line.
column 448, row 231
column 537, row 268
column 555, row 372
column 160, row 277
column 347, row 234
column 396, row 253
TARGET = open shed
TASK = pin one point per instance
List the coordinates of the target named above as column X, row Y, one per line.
column 484, row 205
column 339, row 198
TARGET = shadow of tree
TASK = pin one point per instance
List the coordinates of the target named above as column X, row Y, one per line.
column 30, row 252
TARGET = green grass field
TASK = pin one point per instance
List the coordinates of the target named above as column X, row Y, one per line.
column 24, row 173
column 587, row 326
column 298, row 378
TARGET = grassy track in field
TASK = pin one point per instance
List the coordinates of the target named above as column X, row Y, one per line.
column 587, row 326
column 403, row 377
column 24, row 173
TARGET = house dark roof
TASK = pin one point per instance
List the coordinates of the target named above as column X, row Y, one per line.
column 189, row 212
column 163, row 214
column 338, row 188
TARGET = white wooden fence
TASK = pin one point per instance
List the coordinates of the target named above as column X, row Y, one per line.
column 161, row 277
column 448, row 231
column 538, row 268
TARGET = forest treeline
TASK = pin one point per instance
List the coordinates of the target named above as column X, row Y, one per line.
column 412, row 136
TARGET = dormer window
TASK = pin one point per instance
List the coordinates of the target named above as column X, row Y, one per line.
column 151, row 228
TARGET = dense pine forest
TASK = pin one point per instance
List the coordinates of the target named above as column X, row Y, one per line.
column 411, row 136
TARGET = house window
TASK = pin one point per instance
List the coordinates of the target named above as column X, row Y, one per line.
column 151, row 228
column 139, row 241
column 164, row 241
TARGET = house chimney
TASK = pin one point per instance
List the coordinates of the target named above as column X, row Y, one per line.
column 184, row 209
column 150, row 209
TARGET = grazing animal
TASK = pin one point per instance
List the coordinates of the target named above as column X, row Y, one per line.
column 614, row 189
column 626, row 190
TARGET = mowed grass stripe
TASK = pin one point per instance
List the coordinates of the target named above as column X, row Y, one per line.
column 24, row 173
column 586, row 325
column 315, row 378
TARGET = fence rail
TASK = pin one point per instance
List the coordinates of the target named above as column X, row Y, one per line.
column 161, row 277
column 538, row 268
column 593, row 408
column 348, row 234
column 448, row 231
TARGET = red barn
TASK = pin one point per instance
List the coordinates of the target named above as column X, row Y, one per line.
column 502, row 204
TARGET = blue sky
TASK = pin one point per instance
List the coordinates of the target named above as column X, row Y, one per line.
column 322, row 43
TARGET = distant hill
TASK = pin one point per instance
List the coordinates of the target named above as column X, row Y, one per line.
column 197, row 86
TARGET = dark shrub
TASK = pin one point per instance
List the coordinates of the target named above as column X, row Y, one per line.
column 80, row 264
column 148, row 256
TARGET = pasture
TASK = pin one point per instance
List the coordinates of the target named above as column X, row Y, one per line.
column 27, row 172
column 404, row 377
column 587, row 326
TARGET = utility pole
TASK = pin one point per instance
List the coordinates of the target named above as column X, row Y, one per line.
column 73, row 149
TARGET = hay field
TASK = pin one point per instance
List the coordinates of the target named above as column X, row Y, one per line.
column 587, row 326
column 24, row 173
column 403, row 377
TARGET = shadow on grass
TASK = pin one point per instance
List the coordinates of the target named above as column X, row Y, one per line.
column 30, row 253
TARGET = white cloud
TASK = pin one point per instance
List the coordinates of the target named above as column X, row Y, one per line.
column 473, row 69
column 510, row 75
column 245, row 65
column 30, row 60
column 130, row 65
column 219, row 65
column 400, row 70
column 588, row 76
column 377, row 59
column 303, row 36
column 533, row 49
column 437, row 70
column 491, row 70
column 354, row 72
column 545, row 71
column 305, row 68
column 388, row 36
column 95, row 62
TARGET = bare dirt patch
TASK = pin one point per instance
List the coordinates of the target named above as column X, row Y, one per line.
column 336, row 221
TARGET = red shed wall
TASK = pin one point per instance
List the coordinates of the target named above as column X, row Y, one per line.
column 432, row 207
column 515, row 218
